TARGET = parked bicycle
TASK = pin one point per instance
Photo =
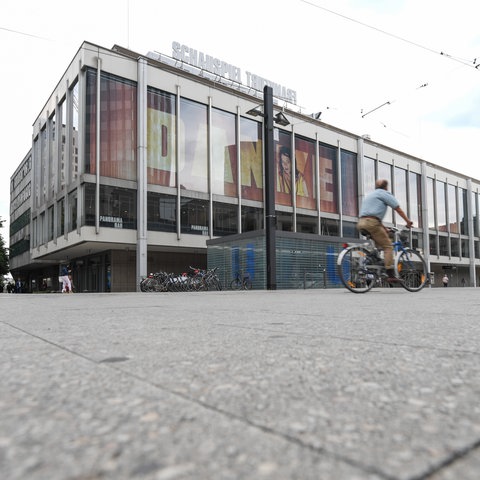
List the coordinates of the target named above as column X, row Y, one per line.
column 241, row 282
column 196, row 280
column 361, row 267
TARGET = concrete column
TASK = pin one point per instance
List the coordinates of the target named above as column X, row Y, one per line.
column 141, row 269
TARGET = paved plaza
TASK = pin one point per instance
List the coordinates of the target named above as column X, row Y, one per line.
column 277, row 385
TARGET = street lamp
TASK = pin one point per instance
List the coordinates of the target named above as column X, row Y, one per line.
column 269, row 162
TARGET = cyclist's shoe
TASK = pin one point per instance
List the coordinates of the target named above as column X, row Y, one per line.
column 391, row 277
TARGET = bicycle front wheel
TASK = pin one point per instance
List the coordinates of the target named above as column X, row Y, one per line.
column 411, row 269
column 236, row 284
column 353, row 272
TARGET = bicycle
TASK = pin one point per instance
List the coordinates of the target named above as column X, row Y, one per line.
column 360, row 266
column 241, row 282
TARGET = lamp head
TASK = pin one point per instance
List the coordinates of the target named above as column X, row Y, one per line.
column 255, row 112
column 281, row 119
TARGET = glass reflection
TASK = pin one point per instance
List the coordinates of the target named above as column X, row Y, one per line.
column 251, row 159
column 193, row 154
column 161, row 169
column 224, row 153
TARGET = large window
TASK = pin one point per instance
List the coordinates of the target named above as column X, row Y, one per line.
column 161, row 168
column 118, row 207
column 443, row 245
column 161, row 212
column 193, row 154
column 385, row 172
column 400, row 190
column 252, row 218
column 305, row 173
column 415, row 199
column 225, row 219
column 72, row 210
column 74, row 139
column 52, row 155
column 251, row 164
column 283, row 169
column 224, row 153
column 431, row 203
column 63, row 152
column 61, row 217
column 462, row 212
column 368, row 175
column 475, row 214
column 194, row 216
column 51, row 223
column 44, row 166
column 349, row 184
column 118, row 127
column 441, row 206
column 328, row 179
column 307, row 224
column 433, row 244
column 452, row 208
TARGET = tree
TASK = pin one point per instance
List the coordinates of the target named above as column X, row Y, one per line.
column 4, row 267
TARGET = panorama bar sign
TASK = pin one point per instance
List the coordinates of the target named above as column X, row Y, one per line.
column 215, row 66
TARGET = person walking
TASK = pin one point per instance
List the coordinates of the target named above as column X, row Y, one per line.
column 445, row 280
column 372, row 211
column 66, row 284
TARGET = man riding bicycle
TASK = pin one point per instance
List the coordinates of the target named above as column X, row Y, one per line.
column 372, row 212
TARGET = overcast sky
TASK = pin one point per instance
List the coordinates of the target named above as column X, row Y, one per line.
column 401, row 71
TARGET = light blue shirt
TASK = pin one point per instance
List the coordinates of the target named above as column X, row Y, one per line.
column 375, row 203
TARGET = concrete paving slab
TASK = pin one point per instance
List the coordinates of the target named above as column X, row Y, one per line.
column 287, row 384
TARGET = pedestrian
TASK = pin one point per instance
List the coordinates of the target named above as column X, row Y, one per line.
column 372, row 212
column 445, row 280
column 66, row 284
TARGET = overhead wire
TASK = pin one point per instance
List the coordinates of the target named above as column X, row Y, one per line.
column 25, row 34
column 398, row 37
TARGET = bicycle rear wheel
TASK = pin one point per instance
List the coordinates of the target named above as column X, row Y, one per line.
column 353, row 272
column 411, row 269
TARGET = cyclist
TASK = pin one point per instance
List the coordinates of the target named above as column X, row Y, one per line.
column 373, row 210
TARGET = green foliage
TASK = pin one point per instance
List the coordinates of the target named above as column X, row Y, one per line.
column 4, row 267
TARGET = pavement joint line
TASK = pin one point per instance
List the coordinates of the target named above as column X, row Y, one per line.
column 353, row 339
column 212, row 408
column 455, row 456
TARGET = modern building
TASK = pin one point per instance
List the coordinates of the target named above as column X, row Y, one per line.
column 137, row 160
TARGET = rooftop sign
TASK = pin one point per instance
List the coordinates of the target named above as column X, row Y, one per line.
column 209, row 66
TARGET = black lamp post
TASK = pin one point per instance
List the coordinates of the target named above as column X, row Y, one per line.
column 270, row 218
